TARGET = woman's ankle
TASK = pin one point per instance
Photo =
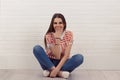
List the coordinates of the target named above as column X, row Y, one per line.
column 52, row 68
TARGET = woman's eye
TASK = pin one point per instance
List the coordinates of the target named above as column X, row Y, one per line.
column 55, row 22
column 60, row 22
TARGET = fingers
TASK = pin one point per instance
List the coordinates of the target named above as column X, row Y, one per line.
column 53, row 74
column 50, row 56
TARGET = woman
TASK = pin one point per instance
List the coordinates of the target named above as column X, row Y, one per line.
column 58, row 41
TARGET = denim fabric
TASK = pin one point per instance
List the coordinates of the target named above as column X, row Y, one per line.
column 47, row 63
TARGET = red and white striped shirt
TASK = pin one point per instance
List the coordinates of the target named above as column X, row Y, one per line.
column 66, row 39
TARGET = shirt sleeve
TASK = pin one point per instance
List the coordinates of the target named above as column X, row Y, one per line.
column 48, row 43
column 49, row 40
column 69, row 38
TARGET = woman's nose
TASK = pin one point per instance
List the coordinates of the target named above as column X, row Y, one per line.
column 57, row 24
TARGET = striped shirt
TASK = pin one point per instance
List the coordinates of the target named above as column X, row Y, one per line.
column 66, row 39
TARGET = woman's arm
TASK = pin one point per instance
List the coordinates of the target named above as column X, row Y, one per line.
column 65, row 57
column 69, row 41
column 63, row 60
column 56, row 49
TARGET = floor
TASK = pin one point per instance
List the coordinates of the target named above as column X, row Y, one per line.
column 13, row 74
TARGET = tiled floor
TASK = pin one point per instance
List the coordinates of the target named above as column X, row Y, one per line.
column 13, row 74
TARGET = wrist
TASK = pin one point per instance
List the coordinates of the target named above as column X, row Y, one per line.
column 56, row 44
column 57, row 41
column 57, row 69
column 57, row 38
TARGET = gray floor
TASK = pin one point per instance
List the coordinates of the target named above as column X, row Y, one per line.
column 13, row 74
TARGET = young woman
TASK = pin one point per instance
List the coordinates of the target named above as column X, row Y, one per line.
column 58, row 41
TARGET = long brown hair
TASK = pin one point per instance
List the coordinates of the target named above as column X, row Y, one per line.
column 51, row 28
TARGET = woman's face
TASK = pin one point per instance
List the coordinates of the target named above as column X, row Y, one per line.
column 58, row 24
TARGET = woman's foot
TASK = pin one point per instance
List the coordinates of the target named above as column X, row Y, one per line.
column 46, row 73
column 64, row 74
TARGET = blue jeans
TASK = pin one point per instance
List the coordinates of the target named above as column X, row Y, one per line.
column 47, row 63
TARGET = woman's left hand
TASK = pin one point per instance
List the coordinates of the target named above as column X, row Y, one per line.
column 54, row 73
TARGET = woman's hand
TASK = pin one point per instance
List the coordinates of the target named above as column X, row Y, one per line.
column 57, row 41
column 58, row 34
column 51, row 56
column 48, row 51
column 54, row 73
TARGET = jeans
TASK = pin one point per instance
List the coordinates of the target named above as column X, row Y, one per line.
column 47, row 63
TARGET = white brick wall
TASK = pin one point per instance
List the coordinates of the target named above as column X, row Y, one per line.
column 95, row 24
